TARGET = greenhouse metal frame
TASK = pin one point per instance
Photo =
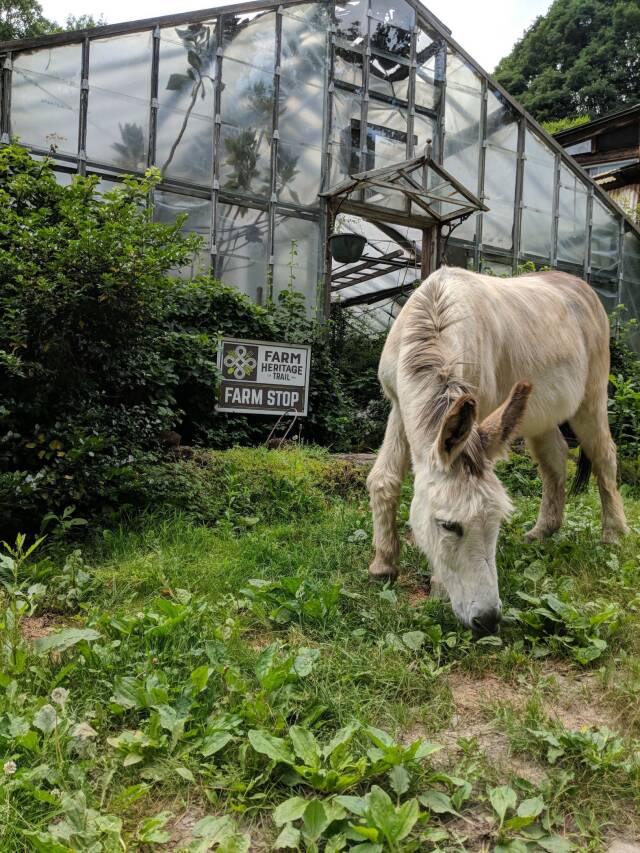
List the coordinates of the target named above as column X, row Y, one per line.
column 256, row 112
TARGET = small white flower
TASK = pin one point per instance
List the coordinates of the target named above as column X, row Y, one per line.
column 60, row 696
column 84, row 731
column 9, row 768
column 140, row 615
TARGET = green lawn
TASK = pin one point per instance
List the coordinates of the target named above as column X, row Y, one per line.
column 181, row 686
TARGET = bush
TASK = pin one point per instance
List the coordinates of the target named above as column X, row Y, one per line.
column 102, row 351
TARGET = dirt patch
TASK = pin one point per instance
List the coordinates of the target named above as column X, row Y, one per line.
column 577, row 699
column 181, row 827
column 472, row 697
column 623, row 846
column 34, row 627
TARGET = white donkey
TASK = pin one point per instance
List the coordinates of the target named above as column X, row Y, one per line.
column 470, row 363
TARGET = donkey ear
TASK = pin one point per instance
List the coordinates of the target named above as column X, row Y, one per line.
column 456, row 428
column 499, row 428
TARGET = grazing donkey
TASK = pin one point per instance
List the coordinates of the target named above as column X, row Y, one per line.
column 471, row 362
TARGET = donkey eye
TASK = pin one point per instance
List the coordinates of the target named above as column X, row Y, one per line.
column 452, row 527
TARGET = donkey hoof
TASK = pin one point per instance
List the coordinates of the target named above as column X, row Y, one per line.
column 380, row 571
column 612, row 535
column 537, row 533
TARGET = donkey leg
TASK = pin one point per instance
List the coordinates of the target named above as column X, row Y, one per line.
column 591, row 426
column 384, row 484
column 550, row 452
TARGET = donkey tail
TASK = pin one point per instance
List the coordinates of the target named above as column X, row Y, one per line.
column 583, row 473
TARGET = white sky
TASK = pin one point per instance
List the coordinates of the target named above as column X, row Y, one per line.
column 487, row 29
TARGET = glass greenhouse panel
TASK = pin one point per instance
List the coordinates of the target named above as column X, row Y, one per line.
column 605, row 236
column 250, row 39
column 396, row 13
column 348, row 66
column 241, row 259
column 296, row 257
column 463, row 133
column 572, row 218
column 352, row 20
column 186, row 74
column 500, row 174
column 389, row 77
column 247, row 116
column 304, row 49
column 537, row 197
column 386, row 40
column 298, row 173
column 630, row 290
column 118, row 111
column 345, row 131
column 169, row 206
column 45, row 97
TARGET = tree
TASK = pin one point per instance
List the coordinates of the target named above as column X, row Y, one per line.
column 581, row 58
column 23, row 19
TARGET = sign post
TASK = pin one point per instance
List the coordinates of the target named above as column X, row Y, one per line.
column 263, row 378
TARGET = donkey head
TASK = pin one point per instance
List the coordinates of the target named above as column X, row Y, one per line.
column 459, row 503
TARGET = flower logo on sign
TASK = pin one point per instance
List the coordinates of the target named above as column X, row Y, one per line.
column 239, row 362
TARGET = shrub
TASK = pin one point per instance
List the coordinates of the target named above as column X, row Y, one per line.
column 102, row 350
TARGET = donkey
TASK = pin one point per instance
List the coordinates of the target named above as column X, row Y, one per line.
column 470, row 363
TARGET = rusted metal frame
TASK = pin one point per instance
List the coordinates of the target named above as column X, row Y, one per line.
column 215, row 142
column 555, row 222
column 364, row 98
column 434, row 23
column 378, row 295
column 275, row 142
column 153, row 102
column 482, row 168
column 84, row 107
column 441, row 58
column 375, row 213
column 621, row 234
column 5, row 96
column 411, row 99
column 325, row 260
column 518, row 203
column 127, row 27
column 369, row 277
column 370, row 262
column 587, row 254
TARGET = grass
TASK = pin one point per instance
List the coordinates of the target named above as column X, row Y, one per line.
column 209, row 684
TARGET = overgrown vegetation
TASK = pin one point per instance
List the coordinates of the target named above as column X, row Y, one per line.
column 103, row 352
column 243, row 686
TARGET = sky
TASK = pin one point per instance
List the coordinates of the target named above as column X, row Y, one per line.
column 487, row 29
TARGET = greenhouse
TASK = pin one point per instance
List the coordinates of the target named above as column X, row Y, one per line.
column 276, row 126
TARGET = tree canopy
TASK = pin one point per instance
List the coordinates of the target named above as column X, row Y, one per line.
column 23, row 19
column 581, row 58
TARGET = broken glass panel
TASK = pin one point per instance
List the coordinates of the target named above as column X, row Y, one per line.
column 45, row 97
column 348, row 66
column 396, row 12
column 389, row 77
column 351, row 16
column 118, row 110
column 186, row 77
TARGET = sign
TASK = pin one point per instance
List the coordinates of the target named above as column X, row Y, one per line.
column 262, row 378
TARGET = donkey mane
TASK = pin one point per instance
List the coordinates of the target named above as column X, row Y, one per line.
column 425, row 359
